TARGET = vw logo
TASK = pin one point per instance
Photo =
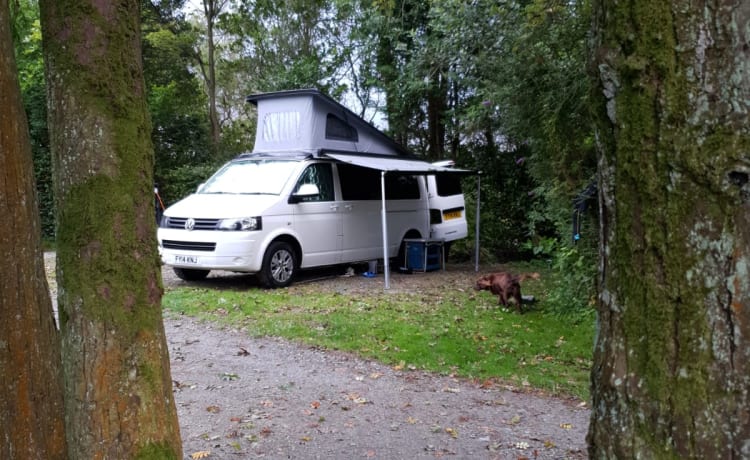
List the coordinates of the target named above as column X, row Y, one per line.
column 190, row 224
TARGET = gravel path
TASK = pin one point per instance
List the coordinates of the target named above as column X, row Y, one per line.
column 239, row 397
column 243, row 398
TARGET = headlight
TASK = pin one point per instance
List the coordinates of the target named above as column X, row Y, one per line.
column 241, row 223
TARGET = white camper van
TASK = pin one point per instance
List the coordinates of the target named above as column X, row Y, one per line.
column 307, row 196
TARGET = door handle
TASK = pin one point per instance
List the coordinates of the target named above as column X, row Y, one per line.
column 334, row 207
column 348, row 207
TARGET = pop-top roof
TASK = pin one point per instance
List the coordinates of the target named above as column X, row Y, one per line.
column 309, row 121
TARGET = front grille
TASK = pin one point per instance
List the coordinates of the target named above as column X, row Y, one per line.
column 200, row 224
column 188, row 245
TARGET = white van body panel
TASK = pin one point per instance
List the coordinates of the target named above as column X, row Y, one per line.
column 223, row 206
column 319, row 228
column 363, row 235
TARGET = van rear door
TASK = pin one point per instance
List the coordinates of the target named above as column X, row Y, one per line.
column 447, row 207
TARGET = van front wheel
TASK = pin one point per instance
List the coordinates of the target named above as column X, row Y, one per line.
column 279, row 265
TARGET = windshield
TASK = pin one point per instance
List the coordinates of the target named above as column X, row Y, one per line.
column 265, row 177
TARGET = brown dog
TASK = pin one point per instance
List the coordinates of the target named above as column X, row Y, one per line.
column 505, row 285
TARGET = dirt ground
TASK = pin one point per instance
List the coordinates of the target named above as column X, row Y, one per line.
column 243, row 398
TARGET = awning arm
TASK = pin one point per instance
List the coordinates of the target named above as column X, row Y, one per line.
column 384, row 220
column 476, row 225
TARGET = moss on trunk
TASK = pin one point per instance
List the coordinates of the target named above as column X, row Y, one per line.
column 118, row 387
column 670, row 378
column 31, row 392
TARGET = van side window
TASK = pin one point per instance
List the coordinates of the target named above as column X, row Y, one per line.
column 321, row 175
column 358, row 183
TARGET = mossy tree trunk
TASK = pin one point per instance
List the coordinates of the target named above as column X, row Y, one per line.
column 31, row 391
column 118, row 392
column 671, row 367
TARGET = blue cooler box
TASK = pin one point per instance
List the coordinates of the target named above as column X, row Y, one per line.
column 423, row 255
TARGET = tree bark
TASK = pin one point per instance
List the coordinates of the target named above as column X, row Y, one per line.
column 670, row 376
column 118, row 392
column 31, row 392
column 211, row 10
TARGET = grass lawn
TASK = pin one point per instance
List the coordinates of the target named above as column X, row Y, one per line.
column 451, row 331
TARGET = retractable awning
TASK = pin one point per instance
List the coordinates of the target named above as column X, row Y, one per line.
column 396, row 164
column 401, row 165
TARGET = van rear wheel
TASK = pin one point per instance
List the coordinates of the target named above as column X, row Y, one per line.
column 190, row 274
column 279, row 265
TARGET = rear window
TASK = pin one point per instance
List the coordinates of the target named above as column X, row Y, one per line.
column 448, row 184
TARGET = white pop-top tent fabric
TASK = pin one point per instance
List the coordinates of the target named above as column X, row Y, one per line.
column 309, row 121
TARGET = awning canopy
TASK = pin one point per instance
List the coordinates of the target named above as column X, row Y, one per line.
column 402, row 165
column 395, row 164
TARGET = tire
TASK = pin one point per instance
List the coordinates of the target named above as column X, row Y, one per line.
column 279, row 266
column 190, row 274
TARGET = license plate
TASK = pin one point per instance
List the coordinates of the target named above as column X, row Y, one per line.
column 185, row 260
column 452, row 215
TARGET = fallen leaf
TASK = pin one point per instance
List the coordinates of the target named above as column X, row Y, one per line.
column 452, row 432
column 566, row 426
column 243, row 352
column 200, row 454
column 515, row 420
column 265, row 431
column 229, row 376
column 549, row 444
column 213, row 409
column 370, row 454
column 399, row 366
column 411, row 420
column 315, row 404
column 376, row 375
column 522, row 445
column 306, row 438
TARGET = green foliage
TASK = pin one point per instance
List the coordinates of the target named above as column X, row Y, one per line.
column 506, row 197
column 30, row 63
column 450, row 332
column 181, row 181
column 573, row 294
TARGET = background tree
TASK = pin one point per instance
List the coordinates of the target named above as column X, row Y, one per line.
column 30, row 62
column 31, row 392
column 118, row 392
column 670, row 376
column 177, row 101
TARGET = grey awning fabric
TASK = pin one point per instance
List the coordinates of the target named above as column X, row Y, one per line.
column 395, row 164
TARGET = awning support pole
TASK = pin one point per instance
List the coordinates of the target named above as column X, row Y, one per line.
column 384, row 219
column 476, row 231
